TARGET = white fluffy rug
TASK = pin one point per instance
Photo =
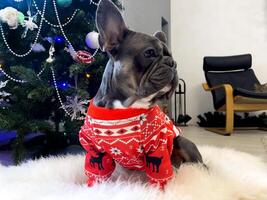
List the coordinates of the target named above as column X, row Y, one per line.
column 232, row 175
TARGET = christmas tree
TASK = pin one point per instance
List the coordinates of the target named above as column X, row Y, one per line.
column 47, row 73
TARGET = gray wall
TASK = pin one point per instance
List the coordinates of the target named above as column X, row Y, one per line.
column 145, row 15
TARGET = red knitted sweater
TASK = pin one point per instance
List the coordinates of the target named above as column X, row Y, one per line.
column 137, row 139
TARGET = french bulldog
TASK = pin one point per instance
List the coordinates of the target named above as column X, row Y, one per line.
column 140, row 72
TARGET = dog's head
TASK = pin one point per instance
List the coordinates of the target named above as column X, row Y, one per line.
column 142, row 64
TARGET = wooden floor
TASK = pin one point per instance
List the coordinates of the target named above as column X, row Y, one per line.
column 250, row 141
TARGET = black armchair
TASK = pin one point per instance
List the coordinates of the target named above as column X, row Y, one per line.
column 231, row 82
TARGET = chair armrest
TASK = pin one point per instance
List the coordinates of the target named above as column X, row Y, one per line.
column 229, row 97
column 227, row 87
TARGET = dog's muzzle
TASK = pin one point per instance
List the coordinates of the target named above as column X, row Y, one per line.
column 162, row 73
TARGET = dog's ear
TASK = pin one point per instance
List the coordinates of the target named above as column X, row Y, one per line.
column 161, row 36
column 110, row 25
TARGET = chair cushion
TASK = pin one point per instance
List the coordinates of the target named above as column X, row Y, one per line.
column 248, row 93
column 241, row 79
column 251, row 97
column 240, row 62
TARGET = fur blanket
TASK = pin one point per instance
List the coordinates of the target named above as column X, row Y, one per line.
column 232, row 175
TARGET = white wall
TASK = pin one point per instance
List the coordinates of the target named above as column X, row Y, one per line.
column 145, row 15
column 216, row 27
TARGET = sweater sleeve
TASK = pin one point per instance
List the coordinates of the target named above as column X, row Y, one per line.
column 158, row 166
column 98, row 164
column 158, row 145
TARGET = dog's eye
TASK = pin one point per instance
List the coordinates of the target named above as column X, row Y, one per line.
column 150, row 53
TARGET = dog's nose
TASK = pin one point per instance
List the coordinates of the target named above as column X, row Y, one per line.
column 168, row 60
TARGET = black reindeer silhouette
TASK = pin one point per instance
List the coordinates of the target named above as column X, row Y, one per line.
column 155, row 161
column 97, row 160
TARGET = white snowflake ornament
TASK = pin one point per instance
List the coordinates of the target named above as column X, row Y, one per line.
column 76, row 106
column 3, row 94
column 3, row 84
column 29, row 24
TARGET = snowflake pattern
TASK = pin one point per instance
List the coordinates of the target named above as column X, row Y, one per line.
column 140, row 149
column 143, row 119
column 115, row 151
column 127, row 141
column 168, row 120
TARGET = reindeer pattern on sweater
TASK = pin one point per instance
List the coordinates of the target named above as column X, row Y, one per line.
column 137, row 139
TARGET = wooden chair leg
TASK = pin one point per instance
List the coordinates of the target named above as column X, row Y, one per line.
column 229, row 115
column 229, row 128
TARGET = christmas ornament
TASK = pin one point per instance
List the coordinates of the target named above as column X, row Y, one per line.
column 10, row 16
column 21, row 18
column 76, row 106
column 64, row 3
column 3, row 94
column 71, row 51
column 49, row 39
column 84, row 57
column 3, row 84
column 37, row 48
column 29, row 24
column 92, row 40
column 51, row 58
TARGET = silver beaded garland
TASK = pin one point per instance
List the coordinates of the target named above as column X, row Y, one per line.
column 92, row 2
column 35, row 41
column 63, row 32
column 59, row 97
column 51, row 24
column 11, row 78
column 17, row 80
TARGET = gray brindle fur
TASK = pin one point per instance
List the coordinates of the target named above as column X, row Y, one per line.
column 140, row 72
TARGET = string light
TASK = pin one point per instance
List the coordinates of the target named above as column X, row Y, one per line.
column 59, row 39
column 63, row 85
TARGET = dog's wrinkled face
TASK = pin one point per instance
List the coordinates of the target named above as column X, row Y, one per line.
column 140, row 65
